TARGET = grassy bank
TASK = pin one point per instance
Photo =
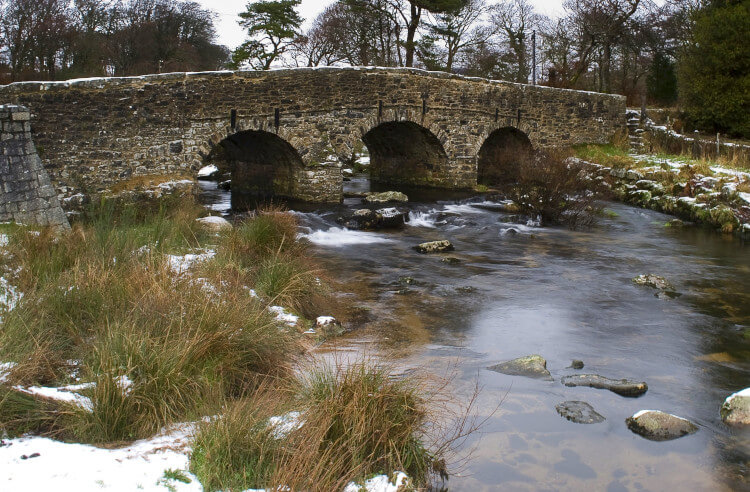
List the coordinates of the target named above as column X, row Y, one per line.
column 714, row 194
column 141, row 318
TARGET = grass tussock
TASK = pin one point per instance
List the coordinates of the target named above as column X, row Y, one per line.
column 349, row 423
column 104, row 302
column 610, row 155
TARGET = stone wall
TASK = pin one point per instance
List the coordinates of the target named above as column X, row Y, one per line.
column 96, row 132
column 26, row 194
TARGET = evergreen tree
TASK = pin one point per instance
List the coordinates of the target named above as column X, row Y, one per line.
column 272, row 27
column 661, row 83
column 714, row 70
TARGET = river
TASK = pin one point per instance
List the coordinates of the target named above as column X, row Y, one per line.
column 522, row 289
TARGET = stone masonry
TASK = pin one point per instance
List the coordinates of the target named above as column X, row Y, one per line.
column 97, row 132
column 26, row 194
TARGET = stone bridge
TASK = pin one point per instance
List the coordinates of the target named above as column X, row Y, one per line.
column 287, row 132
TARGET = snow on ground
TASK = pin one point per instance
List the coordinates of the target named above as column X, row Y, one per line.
column 284, row 424
column 380, row 483
column 5, row 368
column 65, row 393
column 181, row 264
column 80, row 467
column 283, row 315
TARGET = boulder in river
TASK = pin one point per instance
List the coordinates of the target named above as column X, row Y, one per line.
column 659, row 426
column 653, row 281
column 579, row 412
column 366, row 219
column 386, row 196
column 225, row 185
column 451, row 260
column 623, row 387
column 434, row 246
column 531, row 366
column 208, row 172
column 576, row 364
column 736, row 409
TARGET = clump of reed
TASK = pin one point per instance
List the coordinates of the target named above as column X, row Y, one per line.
column 349, row 422
column 104, row 302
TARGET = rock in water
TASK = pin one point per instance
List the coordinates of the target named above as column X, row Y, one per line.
column 623, row 387
column 579, row 412
column 531, row 366
column 736, row 409
column 659, row 426
column 366, row 219
column 208, row 172
column 386, row 196
column 214, row 224
column 654, row 281
column 434, row 247
column 576, row 364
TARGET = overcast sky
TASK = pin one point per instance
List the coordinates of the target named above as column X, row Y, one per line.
column 231, row 34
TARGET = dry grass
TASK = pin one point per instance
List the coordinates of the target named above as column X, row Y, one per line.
column 356, row 420
column 95, row 301
column 142, row 182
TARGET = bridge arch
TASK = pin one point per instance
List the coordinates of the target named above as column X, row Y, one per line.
column 262, row 164
column 499, row 156
column 405, row 153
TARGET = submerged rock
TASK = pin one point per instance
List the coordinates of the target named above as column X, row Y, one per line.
column 579, row 412
column 736, row 408
column 225, row 185
column 451, row 260
column 214, row 224
column 653, row 281
column 623, row 387
column 434, row 246
column 531, row 366
column 386, row 196
column 659, row 426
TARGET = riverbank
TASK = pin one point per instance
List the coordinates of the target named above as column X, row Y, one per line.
column 147, row 327
column 697, row 192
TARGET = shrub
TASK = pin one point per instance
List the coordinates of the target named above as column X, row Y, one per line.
column 557, row 191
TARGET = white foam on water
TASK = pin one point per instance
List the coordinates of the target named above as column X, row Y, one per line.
column 337, row 237
column 421, row 219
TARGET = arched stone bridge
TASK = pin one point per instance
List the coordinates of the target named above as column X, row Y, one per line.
column 289, row 130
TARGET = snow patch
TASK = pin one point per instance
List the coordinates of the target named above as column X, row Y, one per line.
column 380, row 483
column 181, row 264
column 745, row 393
column 283, row 315
column 5, row 368
column 64, row 394
column 71, row 466
column 282, row 425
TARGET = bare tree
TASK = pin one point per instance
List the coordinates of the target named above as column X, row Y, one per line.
column 457, row 30
column 514, row 21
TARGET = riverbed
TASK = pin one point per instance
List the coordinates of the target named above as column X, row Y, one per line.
column 518, row 289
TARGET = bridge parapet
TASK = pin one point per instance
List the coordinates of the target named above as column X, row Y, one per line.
column 94, row 133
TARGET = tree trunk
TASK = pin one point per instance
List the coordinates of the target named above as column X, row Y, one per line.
column 411, row 30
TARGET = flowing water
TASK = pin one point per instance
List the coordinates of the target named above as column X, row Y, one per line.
column 522, row 289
